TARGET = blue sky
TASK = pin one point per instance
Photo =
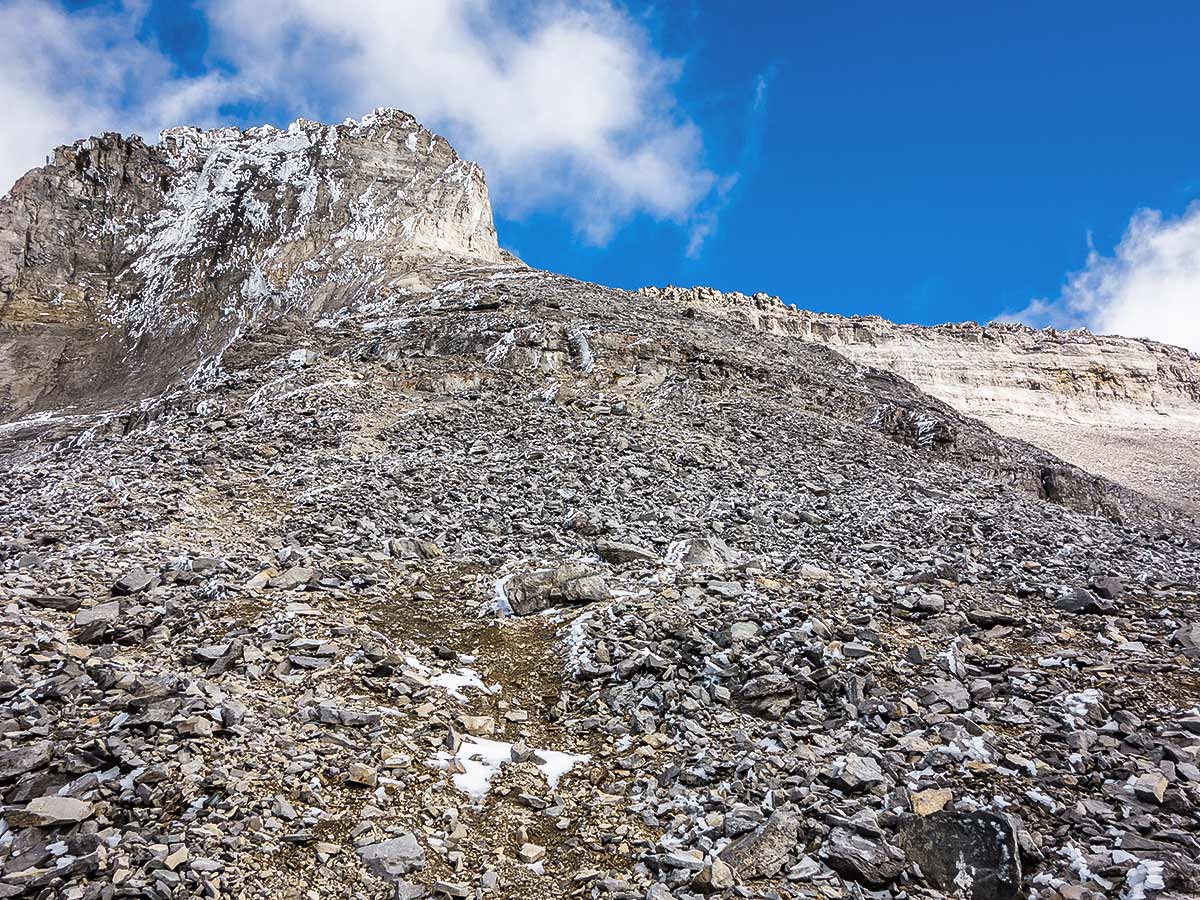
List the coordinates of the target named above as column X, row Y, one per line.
column 924, row 162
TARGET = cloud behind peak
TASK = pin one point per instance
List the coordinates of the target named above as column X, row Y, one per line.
column 1149, row 287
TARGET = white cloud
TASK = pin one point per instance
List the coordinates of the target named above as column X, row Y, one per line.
column 65, row 76
column 1149, row 287
column 567, row 106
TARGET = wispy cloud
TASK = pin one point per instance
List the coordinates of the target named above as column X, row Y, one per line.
column 705, row 221
column 568, row 106
column 1149, row 287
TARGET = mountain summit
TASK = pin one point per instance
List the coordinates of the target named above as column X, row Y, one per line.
column 140, row 258
column 344, row 555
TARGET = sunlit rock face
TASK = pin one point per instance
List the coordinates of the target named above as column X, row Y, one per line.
column 121, row 252
column 1118, row 406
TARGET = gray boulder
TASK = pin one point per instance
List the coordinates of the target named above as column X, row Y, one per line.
column 531, row 592
column 872, row 863
column 21, row 760
column 393, row 859
column 617, row 552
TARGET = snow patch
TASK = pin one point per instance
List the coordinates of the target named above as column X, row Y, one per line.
column 481, row 758
column 454, row 682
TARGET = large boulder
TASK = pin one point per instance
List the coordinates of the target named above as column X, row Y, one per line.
column 971, row 855
column 527, row 593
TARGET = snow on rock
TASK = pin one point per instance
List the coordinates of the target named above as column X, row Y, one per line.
column 454, row 682
column 162, row 251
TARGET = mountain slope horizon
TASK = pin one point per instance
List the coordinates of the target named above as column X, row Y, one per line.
column 169, row 249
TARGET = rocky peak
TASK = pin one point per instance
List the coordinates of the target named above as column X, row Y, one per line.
column 184, row 240
column 145, row 236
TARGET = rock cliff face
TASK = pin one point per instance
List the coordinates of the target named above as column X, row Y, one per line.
column 141, row 259
column 1122, row 407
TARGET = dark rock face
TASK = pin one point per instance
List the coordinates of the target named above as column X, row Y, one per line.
column 971, row 855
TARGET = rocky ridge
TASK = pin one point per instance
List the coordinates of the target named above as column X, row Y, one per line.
column 490, row 583
column 1121, row 407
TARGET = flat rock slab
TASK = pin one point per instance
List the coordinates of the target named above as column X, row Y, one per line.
column 29, row 758
column 101, row 612
column 764, row 851
column 44, row 812
column 394, row 858
column 134, row 581
column 872, row 863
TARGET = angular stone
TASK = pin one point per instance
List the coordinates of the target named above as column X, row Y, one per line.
column 617, row 552
column 1081, row 600
column 21, row 760
column 480, row 726
column 530, row 592
column 743, row 631
column 872, row 863
column 531, row 853
column 1150, row 787
column 394, row 858
column 715, row 877
column 43, row 812
column 991, row 616
column 926, row 803
column 710, row 553
column 292, row 578
column 857, row 773
column 362, row 775
column 134, row 581
column 952, row 693
column 101, row 612
column 764, row 851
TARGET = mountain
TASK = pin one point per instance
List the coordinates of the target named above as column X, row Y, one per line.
column 344, row 555
column 144, row 260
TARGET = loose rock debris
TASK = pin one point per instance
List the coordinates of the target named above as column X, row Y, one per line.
column 469, row 612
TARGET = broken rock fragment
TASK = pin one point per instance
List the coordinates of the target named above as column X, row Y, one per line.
column 44, row 812
column 134, row 581
column 21, row 760
column 869, row 862
column 764, row 851
column 392, row 859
